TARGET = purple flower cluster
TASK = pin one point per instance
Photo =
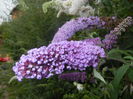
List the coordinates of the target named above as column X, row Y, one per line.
column 111, row 38
column 73, row 26
column 74, row 76
column 44, row 62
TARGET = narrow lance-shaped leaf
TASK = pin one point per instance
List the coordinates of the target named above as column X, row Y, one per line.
column 98, row 75
column 128, row 57
column 115, row 83
column 13, row 78
column 119, row 75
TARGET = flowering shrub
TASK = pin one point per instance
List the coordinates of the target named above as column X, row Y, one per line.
column 44, row 62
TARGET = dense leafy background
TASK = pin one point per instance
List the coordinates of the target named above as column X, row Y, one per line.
column 34, row 29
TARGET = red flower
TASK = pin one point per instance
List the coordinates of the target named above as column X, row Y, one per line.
column 5, row 59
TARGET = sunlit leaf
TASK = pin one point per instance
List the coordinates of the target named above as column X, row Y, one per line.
column 128, row 57
column 12, row 79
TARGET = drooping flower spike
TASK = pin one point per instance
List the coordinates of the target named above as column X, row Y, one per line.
column 44, row 62
column 75, row 25
column 111, row 38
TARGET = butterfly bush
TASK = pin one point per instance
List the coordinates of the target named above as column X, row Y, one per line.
column 111, row 38
column 74, row 76
column 44, row 62
column 70, row 7
column 73, row 26
column 109, row 41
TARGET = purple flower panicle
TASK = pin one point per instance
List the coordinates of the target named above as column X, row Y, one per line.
column 75, row 25
column 44, row 62
column 74, row 76
column 111, row 38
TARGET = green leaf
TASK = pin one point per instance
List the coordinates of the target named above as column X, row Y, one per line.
column 116, row 54
column 116, row 82
column 128, row 57
column 130, row 74
column 119, row 75
column 98, row 75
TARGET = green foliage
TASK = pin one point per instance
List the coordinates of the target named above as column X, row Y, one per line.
column 123, row 73
column 120, row 8
column 32, row 29
column 47, row 5
column 114, row 86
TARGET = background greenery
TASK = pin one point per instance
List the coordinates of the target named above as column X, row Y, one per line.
column 34, row 29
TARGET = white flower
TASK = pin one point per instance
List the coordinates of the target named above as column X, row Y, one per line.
column 76, row 6
column 67, row 4
column 71, row 7
column 97, row 1
column 86, row 11
column 79, row 86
